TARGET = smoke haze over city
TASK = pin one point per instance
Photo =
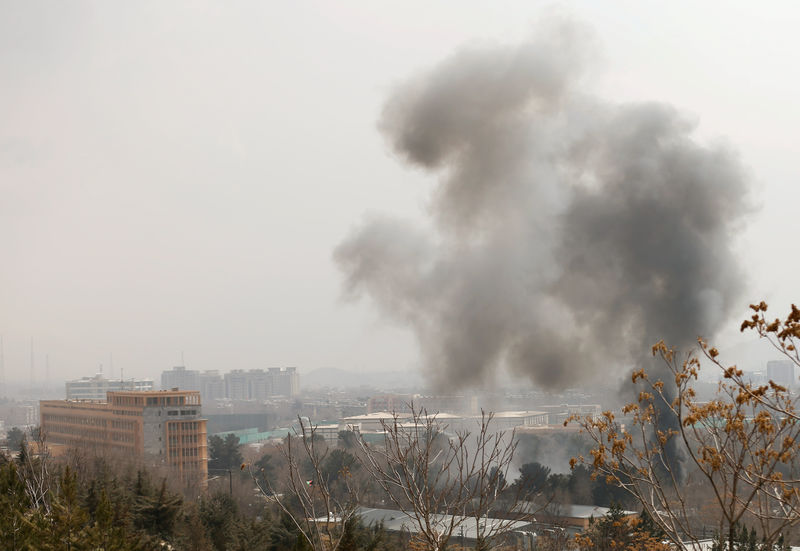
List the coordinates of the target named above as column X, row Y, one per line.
column 547, row 188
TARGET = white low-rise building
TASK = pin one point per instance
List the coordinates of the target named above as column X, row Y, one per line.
column 95, row 388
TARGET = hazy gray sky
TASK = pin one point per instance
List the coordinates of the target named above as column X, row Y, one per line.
column 175, row 176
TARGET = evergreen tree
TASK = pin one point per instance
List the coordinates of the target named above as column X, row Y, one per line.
column 249, row 534
column 532, row 478
column 68, row 519
column 190, row 533
column 156, row 513
column 107, row 533
column 224, row 454
column 14, row 439
column 218, row 514
column 15, row 529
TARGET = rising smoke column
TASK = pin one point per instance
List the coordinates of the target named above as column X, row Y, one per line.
column 570, row 233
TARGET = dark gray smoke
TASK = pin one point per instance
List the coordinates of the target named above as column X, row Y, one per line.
column 570, row 233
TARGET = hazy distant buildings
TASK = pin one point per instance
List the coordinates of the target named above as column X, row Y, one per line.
column 163, row 426
column 95, row 388
column 180, row 377
column 238, row 384
column 19, row 414
column 285, row 382
column 781, row 372
column 401, row 403
column 212, row 386
column 257, row 384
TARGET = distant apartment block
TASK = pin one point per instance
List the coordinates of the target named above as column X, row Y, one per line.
column 95, row 388
column 19, row 414
column 782, row 372
column 161, row 426
column 285, row 382
column 257, row 384
column 181, row 378
column 212, row 386
column 238, row 384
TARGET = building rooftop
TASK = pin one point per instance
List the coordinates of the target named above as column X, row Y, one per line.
column 397, row 521
column 507, row 414
column 378, row 415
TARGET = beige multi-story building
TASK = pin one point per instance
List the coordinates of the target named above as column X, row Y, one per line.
column 162, row 426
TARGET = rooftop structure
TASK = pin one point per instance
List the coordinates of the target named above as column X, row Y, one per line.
column 95, row 388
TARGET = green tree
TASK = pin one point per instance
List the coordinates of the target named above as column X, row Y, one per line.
column 14, row 439
column 108, row 532
column 15, row 530
column 218, row 514
column 532, row 478
column 264, row 470
column 190, row 531
column 338, row 463
column 250, row 534
column 68, row 520
column 157, row 513
column 224, row 453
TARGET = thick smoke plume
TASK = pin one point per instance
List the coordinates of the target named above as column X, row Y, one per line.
column 570, row 233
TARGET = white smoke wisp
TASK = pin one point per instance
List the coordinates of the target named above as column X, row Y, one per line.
column 570, row 233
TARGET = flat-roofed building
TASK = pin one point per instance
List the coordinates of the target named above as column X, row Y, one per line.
column 504, row 420
column 181, row 378
column 212, row 386
column 373, row 422
column 95, row 388
column 237, row 385
column 781, row 372
column 285, row 382
column 163, row 426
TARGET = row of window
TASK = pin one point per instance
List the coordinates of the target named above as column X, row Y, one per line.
column 120, row 424
column 183, row 412
column 187, row 464
column 55, row 429
column 184, row 439
column 127, row 412
column 185, row 426
column 184, row 452
column 74, row 420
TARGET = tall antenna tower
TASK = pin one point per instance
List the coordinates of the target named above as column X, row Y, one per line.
column 47, row 368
